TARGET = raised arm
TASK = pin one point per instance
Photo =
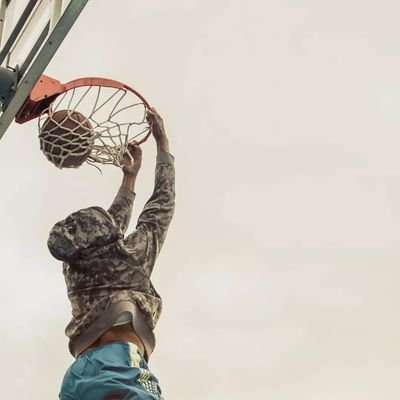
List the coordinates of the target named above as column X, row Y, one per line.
column 157, row 214
column 121, row 208
column 159, row 209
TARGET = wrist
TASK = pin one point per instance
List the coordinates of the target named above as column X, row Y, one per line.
column 130, row 174
column 163, row 145
column 129, row 181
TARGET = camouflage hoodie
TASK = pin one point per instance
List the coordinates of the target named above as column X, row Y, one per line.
column 107, row 274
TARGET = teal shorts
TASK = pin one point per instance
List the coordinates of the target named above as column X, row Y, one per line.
column 115, row 371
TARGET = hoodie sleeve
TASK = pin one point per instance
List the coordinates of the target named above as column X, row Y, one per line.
column 157, row 214
column 121, row 208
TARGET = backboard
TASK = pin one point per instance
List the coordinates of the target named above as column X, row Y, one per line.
column 31, row 31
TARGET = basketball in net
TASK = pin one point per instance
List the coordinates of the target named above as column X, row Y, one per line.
column 66, row 138
column 87, row 120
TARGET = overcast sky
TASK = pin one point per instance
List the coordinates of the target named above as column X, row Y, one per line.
column 281, row 267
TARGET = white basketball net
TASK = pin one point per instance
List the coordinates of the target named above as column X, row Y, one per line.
column 117, row 116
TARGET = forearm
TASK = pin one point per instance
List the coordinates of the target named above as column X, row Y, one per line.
column 121, row 208
column 129, row 181
column 159, row 209
column 163, row 145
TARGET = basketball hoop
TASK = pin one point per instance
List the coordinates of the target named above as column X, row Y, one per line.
column 111, row 114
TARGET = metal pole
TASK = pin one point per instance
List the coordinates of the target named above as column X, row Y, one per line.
column 3, row 8
column 56, row 13
column 17, row 29
column 34, row 50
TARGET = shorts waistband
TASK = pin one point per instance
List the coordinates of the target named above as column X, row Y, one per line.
column 129, row 345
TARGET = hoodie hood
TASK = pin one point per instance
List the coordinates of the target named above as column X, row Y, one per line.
column 88, row 229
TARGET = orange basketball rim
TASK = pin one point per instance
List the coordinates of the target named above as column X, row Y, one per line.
column 114, row 113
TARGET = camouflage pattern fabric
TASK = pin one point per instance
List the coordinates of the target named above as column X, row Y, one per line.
column 103, row 269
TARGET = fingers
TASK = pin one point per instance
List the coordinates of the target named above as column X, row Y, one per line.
column 153, row 116
column 151, row 112
column 149, row 115
column 133, row 155
column 135, row 150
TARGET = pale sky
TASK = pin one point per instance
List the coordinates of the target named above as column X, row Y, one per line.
column 280, row 271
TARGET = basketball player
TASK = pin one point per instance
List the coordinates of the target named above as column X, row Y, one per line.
column 114, row 304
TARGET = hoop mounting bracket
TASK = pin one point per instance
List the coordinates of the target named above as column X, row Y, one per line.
column 8, row 85
column 42, row 95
